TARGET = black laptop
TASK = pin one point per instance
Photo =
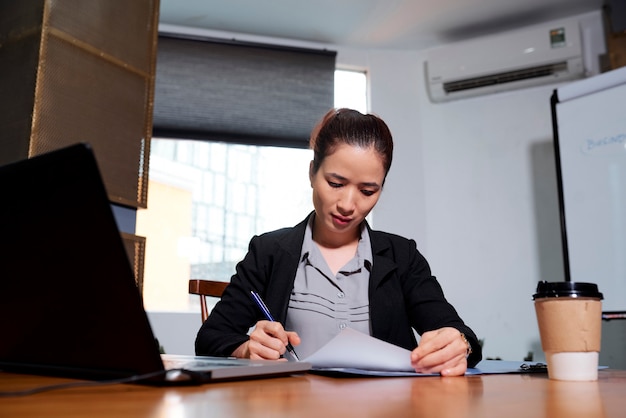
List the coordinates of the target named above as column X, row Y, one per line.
column 69, row 305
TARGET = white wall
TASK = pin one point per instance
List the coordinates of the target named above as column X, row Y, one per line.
column 473, row 182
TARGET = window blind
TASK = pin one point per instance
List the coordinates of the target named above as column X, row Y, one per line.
column 240, row 92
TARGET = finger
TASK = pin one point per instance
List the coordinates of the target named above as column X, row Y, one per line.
column 447, row 358
column 442, row 356
column 440, row 339
column 273, row 329
column 260, row 352
column 458, row 369
column 432, row 363
column 265, row 341
column 428, row 345
column 294, row 338
column 454, row 367
column 432, row 341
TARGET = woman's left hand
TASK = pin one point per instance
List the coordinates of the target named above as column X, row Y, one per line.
column 441, row 351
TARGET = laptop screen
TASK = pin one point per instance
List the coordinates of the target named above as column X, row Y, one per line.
column 68, row 300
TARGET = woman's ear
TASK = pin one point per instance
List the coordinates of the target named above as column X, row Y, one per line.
column 311, row 173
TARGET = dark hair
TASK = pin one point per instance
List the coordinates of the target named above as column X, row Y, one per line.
column 351, row 127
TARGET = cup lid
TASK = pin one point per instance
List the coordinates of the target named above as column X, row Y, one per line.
column 567, row 289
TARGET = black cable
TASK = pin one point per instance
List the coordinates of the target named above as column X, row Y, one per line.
column 69, row 385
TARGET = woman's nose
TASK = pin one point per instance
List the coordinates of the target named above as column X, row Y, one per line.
column 346, row 203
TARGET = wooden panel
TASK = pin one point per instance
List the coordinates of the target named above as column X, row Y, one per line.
column 617, row 50
column 89, row 70
column 136, row 250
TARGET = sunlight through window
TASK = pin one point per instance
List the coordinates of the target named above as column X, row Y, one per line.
column 207, row 199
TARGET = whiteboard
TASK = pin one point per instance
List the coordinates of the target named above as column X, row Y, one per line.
column 589, row 119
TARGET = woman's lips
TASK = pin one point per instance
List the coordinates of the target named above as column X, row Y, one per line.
column 341, row 220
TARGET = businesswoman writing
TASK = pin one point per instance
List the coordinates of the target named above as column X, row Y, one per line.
column 333, row 271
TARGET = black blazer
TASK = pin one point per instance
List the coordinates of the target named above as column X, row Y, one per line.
column 403, row 294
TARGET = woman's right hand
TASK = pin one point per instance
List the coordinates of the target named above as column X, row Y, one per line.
column 268, row 341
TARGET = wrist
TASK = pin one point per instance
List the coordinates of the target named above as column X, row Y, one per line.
column 242, row 351
column 467, row 343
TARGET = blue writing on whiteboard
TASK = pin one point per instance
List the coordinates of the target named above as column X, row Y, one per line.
column 592, row 145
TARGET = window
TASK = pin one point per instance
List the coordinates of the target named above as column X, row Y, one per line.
column 206, row 199
column 351, row 90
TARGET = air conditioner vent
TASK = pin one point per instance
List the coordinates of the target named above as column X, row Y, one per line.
column 512, row 60
column 505, row 77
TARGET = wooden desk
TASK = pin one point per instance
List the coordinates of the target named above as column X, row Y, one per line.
column 309, row 395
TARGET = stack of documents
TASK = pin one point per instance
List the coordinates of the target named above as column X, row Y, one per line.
column 355, row 353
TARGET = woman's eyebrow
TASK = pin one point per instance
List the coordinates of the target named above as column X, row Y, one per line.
column 337, row 176
column 371, row 184
column 366, row 184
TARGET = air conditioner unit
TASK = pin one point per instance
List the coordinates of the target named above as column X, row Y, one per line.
column 541, row 54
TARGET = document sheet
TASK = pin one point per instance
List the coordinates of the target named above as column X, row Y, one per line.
column 355, row 353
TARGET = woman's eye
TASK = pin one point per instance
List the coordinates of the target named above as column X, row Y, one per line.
column 334, row 185
column 367, row 192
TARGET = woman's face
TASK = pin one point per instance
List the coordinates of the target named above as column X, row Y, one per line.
column 345, row 189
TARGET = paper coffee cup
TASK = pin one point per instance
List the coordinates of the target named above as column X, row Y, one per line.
column 569, row 315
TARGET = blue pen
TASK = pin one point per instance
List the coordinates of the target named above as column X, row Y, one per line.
column 269, row 317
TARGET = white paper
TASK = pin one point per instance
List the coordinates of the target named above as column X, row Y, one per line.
column 354, row 353
column 355, row 350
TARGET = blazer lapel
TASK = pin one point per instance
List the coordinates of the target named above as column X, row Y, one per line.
column 287, row 259
column 383, row 264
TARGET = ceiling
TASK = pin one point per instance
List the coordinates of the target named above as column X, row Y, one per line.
column 380, row 24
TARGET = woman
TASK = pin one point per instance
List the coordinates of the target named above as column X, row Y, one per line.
column 332, row 271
